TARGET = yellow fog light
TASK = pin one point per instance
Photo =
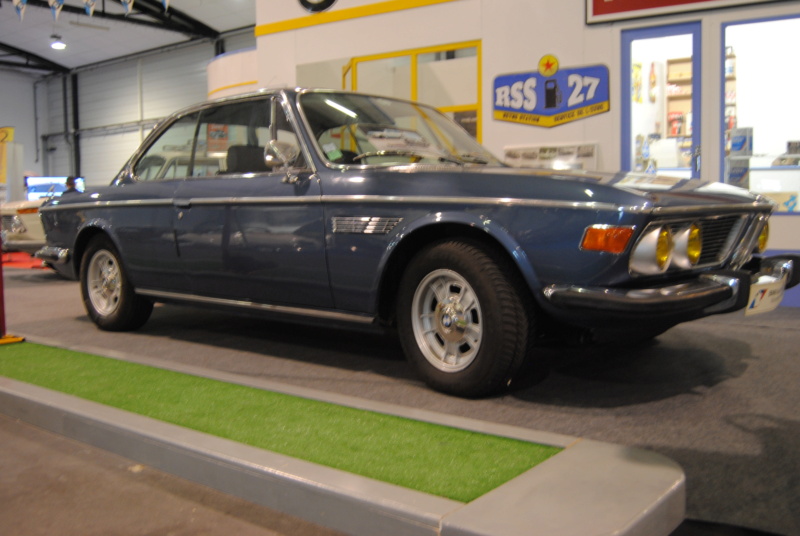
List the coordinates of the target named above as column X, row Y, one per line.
column 664, row 248
column 688, row 246
column 763, row 238
column 653, row 252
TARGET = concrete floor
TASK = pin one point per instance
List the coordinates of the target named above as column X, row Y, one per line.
column 51, row 485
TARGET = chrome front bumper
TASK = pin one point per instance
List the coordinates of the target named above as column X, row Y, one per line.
column 53, row 255
column 710, row 293
column 26, row 246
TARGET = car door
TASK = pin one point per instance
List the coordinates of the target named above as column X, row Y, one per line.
column 254, row 231
column 143, row 216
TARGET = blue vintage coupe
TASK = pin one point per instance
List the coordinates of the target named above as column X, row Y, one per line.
column 340, row 206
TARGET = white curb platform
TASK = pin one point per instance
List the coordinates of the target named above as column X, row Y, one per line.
column 590, row 488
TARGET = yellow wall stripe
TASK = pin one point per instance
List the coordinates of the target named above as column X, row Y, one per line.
column 378, row 8
column 231, row 86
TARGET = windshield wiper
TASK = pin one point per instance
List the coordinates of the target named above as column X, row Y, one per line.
column 411, row 154
column 473, row 158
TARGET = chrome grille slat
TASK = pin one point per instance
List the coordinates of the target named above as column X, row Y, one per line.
column 364, row 224
column 717, row 236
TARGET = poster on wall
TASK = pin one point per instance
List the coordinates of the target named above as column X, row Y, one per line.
column 581, row 156
column 6, row 136
column 551, row 96
column 612, row 10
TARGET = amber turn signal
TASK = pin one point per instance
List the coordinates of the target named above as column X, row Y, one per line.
column 606, row 238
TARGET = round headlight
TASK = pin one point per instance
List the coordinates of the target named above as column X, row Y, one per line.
column 653, row 252
column 688, row 246
column 17, row 226
column 763, row 238
column 664, row 248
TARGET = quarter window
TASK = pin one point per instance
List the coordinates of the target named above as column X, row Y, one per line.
column 171, row 151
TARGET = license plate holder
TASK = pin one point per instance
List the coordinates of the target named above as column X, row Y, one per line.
column 765, row 295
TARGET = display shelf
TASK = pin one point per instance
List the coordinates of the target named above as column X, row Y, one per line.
column 679, row 97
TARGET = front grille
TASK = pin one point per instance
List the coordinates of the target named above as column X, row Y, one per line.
column 720, row 236
column 8, row 221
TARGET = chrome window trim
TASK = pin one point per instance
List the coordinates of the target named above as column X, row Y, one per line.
column 250, row 305
column 106, row 204
column 708, row 210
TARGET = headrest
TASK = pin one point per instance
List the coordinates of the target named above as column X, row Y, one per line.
column 246, row 159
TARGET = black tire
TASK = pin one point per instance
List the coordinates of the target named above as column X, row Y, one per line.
column 461, row 319
column 107, row 294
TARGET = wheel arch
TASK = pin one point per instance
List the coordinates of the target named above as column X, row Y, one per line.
column 85, row 236
column 417, row 237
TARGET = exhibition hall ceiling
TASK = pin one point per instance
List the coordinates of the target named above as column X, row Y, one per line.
column 25, row 45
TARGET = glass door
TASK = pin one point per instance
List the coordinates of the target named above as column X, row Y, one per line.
column 761, row 111
column 661, row 100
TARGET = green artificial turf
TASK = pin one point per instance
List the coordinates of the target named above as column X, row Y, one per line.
column 448, row 462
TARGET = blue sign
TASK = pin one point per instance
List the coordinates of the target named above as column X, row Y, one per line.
column 551, row 96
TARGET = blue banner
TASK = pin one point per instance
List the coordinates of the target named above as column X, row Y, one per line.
column 551, row 96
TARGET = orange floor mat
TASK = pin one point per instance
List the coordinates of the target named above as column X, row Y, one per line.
column 21, row 260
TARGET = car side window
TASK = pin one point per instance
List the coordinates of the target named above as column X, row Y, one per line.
column 239, row 135
column 233, row 138
column 171, row 153
column 173, row 149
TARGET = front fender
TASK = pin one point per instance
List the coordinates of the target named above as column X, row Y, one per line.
column 86, row 231
column 411, row 236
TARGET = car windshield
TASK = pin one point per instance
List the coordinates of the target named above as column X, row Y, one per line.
column 366, row 130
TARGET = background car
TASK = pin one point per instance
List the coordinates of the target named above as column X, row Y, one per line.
column 340, row 207
column 22, row 229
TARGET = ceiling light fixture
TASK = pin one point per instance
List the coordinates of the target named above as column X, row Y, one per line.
column 57, row 43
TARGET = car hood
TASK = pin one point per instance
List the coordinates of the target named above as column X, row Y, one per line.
column 654, row 190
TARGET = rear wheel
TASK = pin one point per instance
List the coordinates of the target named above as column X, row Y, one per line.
column 107, row 294
column 461, row 319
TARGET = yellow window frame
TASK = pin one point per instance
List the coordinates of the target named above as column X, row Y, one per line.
column 351, row 70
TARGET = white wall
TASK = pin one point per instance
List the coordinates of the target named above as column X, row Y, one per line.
column 118, row 103
column 17, row 110
column 114, row 98
column 515, row 34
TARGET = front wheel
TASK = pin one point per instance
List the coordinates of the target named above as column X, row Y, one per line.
column 107, row 294
column 461, row 319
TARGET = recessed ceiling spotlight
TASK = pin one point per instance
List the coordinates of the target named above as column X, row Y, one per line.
column 56, row 43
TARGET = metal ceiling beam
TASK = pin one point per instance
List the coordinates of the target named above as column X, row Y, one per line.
column 146, row 13
column 29, row 61
column 174, row 18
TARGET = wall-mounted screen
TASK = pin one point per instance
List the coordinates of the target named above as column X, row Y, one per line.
column 38, row 187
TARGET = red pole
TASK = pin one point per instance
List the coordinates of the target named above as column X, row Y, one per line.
column 2, row 301
column 4, row 339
